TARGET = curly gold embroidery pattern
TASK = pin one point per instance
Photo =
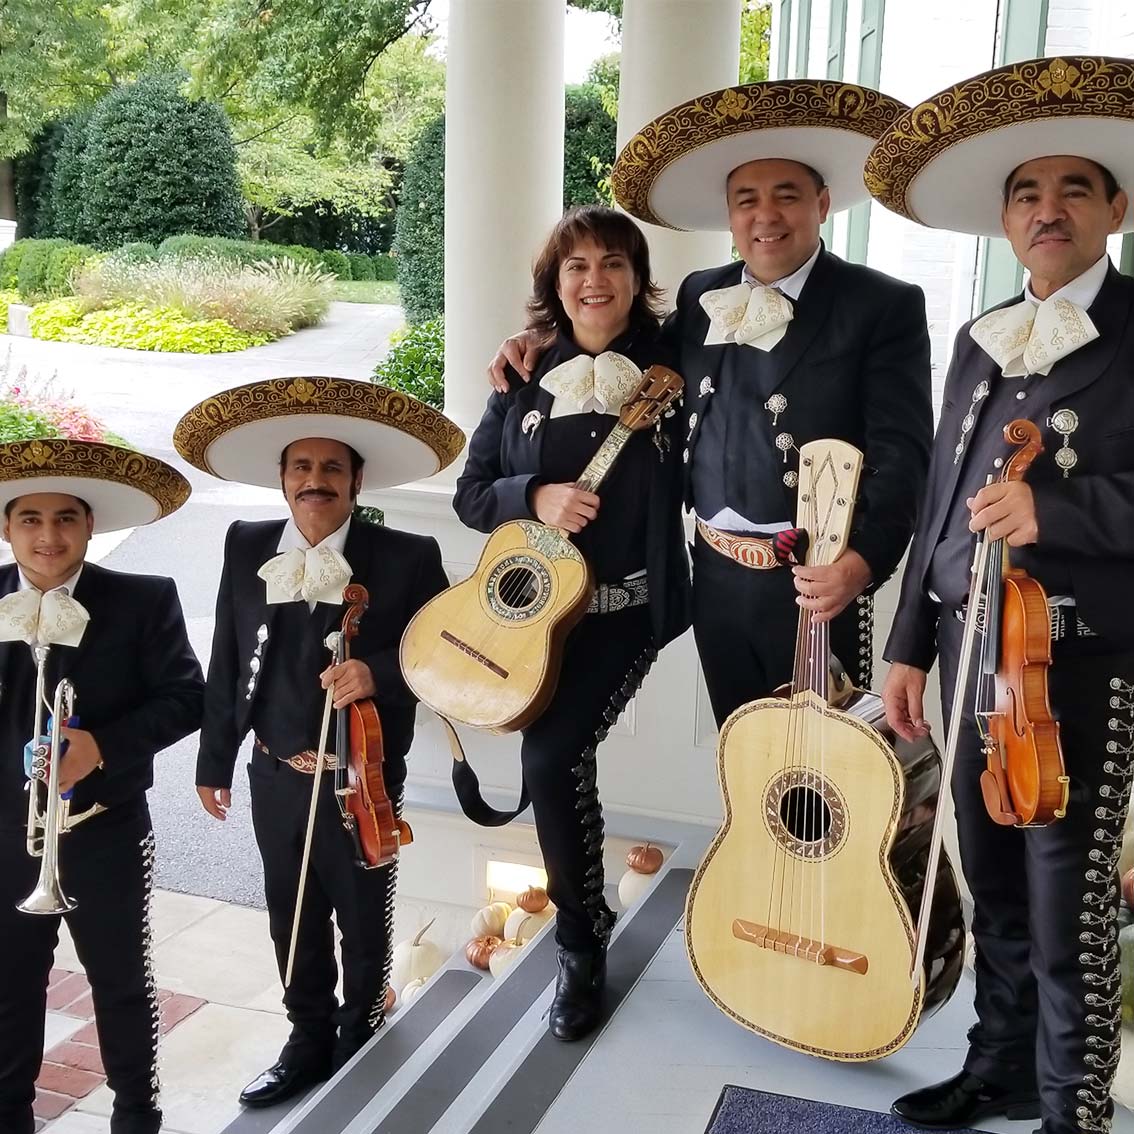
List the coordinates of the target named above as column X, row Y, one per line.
column 738, row 110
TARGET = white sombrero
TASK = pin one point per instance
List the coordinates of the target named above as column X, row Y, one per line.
column 944, row 163
column 239, row 434
column 124, row 488
column 673, row 171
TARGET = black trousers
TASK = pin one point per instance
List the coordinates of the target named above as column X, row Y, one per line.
column 1048, row 988
column 106, row 866
column 324, row 1034
column 604, row 661
column 745, row 624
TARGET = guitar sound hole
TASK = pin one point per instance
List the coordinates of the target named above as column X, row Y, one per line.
column 805, row 815
column 518, row 588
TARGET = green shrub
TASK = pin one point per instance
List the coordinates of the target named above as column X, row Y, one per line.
column 224, row 248
column 61, row 266
column 31, row 278
column 309, row 256
column 385, row 268
column 336, row 263
column 156, row 164
column 361, row 266
column 6, row 297
column 66, row 208
column 136, row 252
column 10, row 263
column 138, row 328
column 34, row 171
column 416, row 362
column 419, row 239
column 589, row 132
column 18, row 423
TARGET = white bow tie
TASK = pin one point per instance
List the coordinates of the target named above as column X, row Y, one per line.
column 582, row 383
column 1025, row 339
column 53, row 618
column 755, row 316
column 315, row 575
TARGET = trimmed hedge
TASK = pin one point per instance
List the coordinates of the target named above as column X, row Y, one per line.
column 336, row 263
column 419, row 239
column 416, row 362
column 10, row 264
column 361, row 266
column 61, row 265
column 31, row 276
column 136, row 252
column 385, row 267
column 157, row 164
column 67, row 178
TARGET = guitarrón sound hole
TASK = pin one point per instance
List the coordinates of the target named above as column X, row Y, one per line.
column 518, row 588
column 805, row 814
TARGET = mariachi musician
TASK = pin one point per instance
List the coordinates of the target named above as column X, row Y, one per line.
column 120, row 640
column 1046, row 1042
column 787, row 345
column 593, row 292
column 281, row 593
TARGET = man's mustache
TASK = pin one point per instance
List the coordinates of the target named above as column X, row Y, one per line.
column 324, row 492
column 1056, row 229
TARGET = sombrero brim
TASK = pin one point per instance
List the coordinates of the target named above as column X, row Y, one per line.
column 124, row 488
column 673, row 172
column 239, row 434
column 944, row 163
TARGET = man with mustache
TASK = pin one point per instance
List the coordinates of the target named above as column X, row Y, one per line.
column 280, row 596
column 1048, row 988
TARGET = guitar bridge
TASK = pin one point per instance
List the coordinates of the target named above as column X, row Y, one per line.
column 805, row 948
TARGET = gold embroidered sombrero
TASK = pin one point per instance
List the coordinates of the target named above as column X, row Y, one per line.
column 124, row 488
column 239, row 434
column 673, row 171
column 944, row 163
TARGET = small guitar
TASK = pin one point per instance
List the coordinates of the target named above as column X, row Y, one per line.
column 487, row 651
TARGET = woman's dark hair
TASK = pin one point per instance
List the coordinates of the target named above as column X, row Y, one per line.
column 611, row 230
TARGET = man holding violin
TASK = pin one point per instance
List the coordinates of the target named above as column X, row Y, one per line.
column 281, row 595
column 1046, row 1042
column 119, row 639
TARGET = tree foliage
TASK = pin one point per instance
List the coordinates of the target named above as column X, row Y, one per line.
column 588, row 145
column 419, row 236
column 755, row 40
column 66, row 195
column 156, row 164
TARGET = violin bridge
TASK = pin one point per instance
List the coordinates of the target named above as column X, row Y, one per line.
column 805, row 948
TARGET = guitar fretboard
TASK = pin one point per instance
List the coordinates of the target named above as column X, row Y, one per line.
column 602, row 462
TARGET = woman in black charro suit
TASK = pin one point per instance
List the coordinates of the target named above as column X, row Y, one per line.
column 593, row 297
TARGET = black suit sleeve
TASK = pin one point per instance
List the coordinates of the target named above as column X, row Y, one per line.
column 220, row 738
column 898, row 417
column 1086, row 516
column 170, row 700
column 485, row 498
column 429, row 579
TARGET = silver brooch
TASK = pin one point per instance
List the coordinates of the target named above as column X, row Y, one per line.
column 706, row 386
column 1065, row 422
column 785, row 442
column 254, row 662
column 531, row 422
column 979, row 394
column 791, row 478
column 776, row 405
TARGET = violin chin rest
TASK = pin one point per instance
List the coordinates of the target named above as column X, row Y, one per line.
column 994, row 801
column 405, row 833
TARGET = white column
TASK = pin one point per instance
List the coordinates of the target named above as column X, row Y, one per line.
column 503, row 177
column 674, row 50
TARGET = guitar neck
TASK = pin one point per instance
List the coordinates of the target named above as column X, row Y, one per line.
column 602, row 462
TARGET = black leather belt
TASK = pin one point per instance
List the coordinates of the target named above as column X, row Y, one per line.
column 611, row 597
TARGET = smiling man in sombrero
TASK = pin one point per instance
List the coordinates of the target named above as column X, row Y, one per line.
column 1044, row 151
column 325, row 442
column 786, row 345
column 120, row 640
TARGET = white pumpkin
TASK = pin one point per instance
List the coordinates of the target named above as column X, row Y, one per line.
column 415, row 959
column 522, row 926
column 489, row 921
column 504, row 956
column 631, row 887
column 411, row 990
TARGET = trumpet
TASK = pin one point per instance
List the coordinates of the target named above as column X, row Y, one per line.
column 52, row 819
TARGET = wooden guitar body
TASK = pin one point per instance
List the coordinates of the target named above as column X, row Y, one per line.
column 487, row 651
column 798, row 921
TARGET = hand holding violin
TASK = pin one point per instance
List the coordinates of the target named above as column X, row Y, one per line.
column 1005, row 510
column 352, row 680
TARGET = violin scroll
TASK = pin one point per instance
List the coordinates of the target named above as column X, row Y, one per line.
column 1026, row 435
column 358, row 599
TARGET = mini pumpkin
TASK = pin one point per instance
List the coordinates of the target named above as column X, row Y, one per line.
column 522, row 926
column 415, row 959
column 533, row 900
column 489, row 921
column 413, row 990
column 1128, row 887
column 391, row 998
column 479, row 950
column 506, row 953
column 645, row 859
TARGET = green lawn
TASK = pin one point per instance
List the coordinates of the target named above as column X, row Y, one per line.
column 368, row 291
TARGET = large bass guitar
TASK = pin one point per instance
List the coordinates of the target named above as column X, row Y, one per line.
column 487, row 651
column 798, row 921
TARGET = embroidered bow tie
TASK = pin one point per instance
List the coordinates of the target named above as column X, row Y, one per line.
column 1025, row 339
column 753, row 316
column 50, row 619
column 582, row 383
column 315, row 575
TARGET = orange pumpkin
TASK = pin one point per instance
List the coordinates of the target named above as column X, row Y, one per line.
column 645, row 859
column 533, row 900
column 479, row 950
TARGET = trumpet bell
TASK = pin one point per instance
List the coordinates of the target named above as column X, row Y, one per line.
column 47, row 899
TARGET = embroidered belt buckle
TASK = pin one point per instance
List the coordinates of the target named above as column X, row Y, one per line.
column 749, row 551
column 305, row 762
column 611, row 597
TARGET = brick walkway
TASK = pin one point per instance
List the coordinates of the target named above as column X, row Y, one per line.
column 73, row 1069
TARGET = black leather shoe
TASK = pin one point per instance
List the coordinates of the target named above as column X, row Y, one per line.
column 961, row 1101
column 280, row 1083
column 577, row 1007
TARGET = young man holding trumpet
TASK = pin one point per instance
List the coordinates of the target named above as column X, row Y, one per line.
column 120, row 643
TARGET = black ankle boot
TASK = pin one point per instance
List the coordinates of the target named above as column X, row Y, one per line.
column 577, row 1007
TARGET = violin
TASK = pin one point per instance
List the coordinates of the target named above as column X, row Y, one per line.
column 1025, row 783
column 360, row 787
